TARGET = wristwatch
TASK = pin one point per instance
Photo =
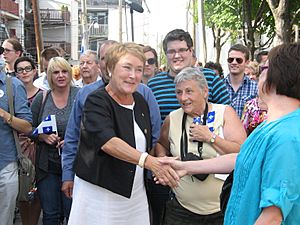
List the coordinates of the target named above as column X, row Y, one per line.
column 213, row 139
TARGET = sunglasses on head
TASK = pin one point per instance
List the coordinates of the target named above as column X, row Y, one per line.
column 151, row 61
column 238, row 60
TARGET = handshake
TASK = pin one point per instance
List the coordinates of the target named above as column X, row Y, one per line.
column 170, row 169
column 167, row 170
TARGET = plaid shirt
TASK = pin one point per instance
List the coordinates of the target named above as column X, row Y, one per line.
column 246, row 92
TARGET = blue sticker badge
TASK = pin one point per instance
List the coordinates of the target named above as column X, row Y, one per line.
column 211, row 117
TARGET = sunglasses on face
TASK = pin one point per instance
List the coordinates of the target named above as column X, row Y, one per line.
column 238, row 60
column 26, row 69
column 151, row 61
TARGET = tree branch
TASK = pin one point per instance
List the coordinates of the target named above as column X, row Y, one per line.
column 297, row 13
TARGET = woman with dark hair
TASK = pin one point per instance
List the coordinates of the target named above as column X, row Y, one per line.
column 266, row 177
column 26, row 71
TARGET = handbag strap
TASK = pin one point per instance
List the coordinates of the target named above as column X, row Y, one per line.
column 12, row 112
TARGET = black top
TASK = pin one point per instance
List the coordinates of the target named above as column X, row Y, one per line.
column 103, row 118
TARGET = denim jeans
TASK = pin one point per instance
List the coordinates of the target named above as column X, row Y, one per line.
column 8, row 193
column 56, row 206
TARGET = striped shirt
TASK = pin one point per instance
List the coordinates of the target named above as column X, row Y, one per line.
column 163, row 88
column 246, row 92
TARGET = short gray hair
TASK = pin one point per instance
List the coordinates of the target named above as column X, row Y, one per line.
column 192, row 73
column 91, row 52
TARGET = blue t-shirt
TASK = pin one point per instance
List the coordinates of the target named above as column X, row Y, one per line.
column 267, row 173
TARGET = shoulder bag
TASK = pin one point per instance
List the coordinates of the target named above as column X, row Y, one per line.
column 26, row 168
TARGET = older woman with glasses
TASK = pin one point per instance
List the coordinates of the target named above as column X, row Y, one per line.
column 198, row 130
column 26, row 71
column 58, row 101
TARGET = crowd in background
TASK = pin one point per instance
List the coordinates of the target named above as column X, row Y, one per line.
column 120, row 116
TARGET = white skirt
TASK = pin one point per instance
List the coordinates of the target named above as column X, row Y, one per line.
column 94, row 205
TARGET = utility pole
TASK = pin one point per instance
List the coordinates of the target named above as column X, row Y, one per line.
column 37, row 29
column 202, row 35
column 120, row 21
column 85, row 35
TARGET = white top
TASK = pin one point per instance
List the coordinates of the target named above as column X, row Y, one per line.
column 95, row 205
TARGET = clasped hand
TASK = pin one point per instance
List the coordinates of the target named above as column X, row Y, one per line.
column 52, row 139
column 199, row 133
column 164, row 173
column 175, row 165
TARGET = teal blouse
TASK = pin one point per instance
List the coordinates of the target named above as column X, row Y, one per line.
column 267, row 173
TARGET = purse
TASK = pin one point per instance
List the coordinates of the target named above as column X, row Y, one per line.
column 26, row 170
column 225, row 193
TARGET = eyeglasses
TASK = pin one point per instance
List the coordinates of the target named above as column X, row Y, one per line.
column 151, row 61
column 262, row 68
column 26, row 69
column 181, row 51
column 6, row 50
column 238, row 60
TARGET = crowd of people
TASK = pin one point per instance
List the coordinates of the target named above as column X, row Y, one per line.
column 139, row 143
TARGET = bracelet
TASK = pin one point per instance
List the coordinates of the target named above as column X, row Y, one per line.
column 9, row 120
column 142, row 159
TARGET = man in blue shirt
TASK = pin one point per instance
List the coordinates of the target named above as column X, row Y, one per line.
column 73, row 127
column 21, row 122
column 240, row 88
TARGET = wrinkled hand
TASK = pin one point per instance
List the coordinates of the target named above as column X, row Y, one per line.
column 67, row 188
column 175, row 163
column 200, row 133
column 163, row 173
column 50, row 139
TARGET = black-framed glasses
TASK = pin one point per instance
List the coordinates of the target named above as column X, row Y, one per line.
column 151, row 61
column 238, row 60
column 181, row 51
column 26, row 69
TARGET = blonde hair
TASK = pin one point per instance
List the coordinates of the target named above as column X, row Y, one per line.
column 118, row 50
column 58, row 62
column 254, row 67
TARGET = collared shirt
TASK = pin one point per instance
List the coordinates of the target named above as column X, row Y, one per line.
column 79, row 83
column 163, row 88
column 8, row 151
column 73, row 127
column 246, row 92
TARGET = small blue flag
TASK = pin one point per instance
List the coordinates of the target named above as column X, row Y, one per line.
column 47, row 126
